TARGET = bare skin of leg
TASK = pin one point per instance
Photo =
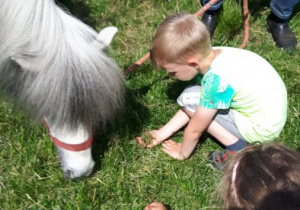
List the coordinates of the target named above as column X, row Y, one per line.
column 218, row 131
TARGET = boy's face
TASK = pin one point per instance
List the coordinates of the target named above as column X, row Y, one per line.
column 183, row 72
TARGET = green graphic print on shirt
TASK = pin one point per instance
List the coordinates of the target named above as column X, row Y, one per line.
column 216, row 93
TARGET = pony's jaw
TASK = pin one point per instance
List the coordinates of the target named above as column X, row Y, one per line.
column 76, row 164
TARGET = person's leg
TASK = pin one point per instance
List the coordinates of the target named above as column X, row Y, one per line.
column 223, row 135
column 224, row 129
column 209, row 17
column 277, row 23
column 189, row 98
column 215, row 6
column 283, row 9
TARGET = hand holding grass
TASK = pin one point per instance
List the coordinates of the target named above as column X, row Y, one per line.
column 155, row 137
column 150, row 139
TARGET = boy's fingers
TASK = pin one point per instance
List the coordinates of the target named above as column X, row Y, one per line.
column 153, row 134
column 152, row 144
column 170, row 153
column 143, row 144
column 166, row 145
column 171, row 142
column 165, row 150
column 140, row 141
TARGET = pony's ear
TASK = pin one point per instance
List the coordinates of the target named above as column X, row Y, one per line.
column 25, row 63
column 106, row 35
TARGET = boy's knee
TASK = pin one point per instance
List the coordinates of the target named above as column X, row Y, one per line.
column 189, row 98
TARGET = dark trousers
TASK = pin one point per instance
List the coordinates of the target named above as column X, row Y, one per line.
column 281, row 8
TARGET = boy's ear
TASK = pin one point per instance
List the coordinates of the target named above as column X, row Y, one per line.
column 193, row 61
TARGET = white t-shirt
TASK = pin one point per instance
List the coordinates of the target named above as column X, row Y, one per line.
column 251, row 87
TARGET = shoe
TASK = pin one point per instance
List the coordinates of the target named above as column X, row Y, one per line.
column 282, row 34
column 219, row 159
column 209, row 19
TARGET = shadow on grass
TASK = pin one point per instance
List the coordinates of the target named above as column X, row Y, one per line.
column 256, row 7
column 296, row 10
column 78, row 10
column 128, row 124
column 176, row 88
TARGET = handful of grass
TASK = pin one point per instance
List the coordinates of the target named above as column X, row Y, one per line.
column 146, row 138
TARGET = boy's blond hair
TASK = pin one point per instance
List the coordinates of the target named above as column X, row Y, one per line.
column 179, row 36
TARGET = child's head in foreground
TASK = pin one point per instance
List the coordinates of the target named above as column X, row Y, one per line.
column 178, row 39
column 262, row 177
column 266, row 177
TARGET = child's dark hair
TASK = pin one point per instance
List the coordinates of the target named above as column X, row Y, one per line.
column 264, row 176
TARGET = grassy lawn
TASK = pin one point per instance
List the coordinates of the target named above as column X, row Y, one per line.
column 127, row 176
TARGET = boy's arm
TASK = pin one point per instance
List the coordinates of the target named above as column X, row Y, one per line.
column 199, row 122
column 179, row 120
column 175, row 123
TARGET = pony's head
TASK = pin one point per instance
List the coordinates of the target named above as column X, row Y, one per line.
column 74, row 144
column 74, row 150
column 55, row 66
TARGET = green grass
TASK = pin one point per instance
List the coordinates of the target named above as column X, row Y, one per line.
column 127, row 176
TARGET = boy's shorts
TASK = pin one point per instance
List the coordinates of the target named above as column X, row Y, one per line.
column 190, row 98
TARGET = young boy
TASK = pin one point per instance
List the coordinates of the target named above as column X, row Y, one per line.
column 242, row 99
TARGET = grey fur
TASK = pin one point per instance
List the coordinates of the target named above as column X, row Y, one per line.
column 53, row 65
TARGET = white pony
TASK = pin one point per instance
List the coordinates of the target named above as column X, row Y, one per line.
column 54, row 66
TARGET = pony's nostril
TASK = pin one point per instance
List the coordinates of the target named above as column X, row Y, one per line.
column 68, row 174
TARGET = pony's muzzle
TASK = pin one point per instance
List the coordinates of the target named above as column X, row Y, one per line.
column 76, row 164
column 74, row 149
column 73, row 173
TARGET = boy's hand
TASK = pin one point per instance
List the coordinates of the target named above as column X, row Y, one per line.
column 172, row 148
column 150, row 139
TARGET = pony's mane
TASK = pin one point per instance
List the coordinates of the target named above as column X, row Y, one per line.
column 53, row 65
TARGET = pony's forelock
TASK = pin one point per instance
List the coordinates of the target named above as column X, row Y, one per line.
column 53, row 65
